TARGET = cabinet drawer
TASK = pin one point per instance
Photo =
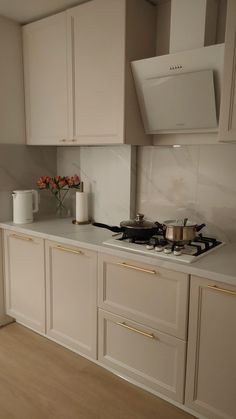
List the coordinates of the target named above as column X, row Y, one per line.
column 147, row 294
column 150, row 357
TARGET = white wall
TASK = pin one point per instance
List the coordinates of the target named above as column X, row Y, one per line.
column 198, row 182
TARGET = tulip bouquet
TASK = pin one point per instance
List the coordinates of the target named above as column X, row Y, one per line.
column 59, row 186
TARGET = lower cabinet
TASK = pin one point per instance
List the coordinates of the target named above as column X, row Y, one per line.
column 211, row 361
column 142, row 330
column 24, row 279
column 71, row 294
column 146, row 355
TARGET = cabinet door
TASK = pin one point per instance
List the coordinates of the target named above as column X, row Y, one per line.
column 147, row 294
column 71, row 297
column 227, row 129
column 46, row 83
column 24, row 279
column 211, row 363
column 98, row 51
column 146, row 355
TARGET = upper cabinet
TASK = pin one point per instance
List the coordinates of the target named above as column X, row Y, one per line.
column 78, row 82
column 227, row 131
column 46, row 85
column 12, row 117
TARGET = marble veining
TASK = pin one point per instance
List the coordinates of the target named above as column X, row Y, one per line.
column 108, row 173
column 193, row 181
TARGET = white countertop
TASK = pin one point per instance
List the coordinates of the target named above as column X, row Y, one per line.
column 219, row 265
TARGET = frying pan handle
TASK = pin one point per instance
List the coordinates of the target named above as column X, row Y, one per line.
column 199, row 227
column 115, row 229
column 160, row 226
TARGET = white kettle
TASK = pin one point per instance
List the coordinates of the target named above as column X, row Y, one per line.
column 25, row 204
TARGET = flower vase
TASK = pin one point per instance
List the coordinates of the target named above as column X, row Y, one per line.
column 62, row 210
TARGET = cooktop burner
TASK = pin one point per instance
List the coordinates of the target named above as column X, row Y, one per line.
column 158, row 246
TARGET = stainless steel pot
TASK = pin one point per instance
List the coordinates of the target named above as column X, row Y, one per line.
column 181, row 234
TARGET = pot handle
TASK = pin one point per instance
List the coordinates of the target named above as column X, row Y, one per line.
column 114, row 229
column 199, row 227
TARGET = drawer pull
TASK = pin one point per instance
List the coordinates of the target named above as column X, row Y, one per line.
column 148, row 335
column 66, row 249
column 136, row 268
column 215, row 288
column 16, row 236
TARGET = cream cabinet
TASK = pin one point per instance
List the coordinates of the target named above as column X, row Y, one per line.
column 211, row 361
column 227, row 126
column 147, row 294
column 71, row 291
column 143, row 354
column 12, row 115
column 79, row 86
column 46, row 84
column 24, row 279
column 143, row 323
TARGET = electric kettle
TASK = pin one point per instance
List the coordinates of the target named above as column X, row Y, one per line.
column 25, row 204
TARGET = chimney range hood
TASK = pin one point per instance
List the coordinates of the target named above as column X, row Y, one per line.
column 180, row 92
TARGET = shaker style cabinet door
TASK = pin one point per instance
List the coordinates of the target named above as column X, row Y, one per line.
column 98, row 51
column 46, row 84
column 211, row 361
column 71, row 290
column 24, row 279
column 227, row 128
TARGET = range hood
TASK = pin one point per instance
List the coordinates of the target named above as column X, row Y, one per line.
column 180, row 92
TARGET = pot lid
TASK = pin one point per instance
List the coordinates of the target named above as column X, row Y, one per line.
column 139, row 222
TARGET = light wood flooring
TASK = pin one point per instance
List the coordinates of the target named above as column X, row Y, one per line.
column 41, row 380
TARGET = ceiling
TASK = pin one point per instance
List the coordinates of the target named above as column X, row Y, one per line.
column 24, row 11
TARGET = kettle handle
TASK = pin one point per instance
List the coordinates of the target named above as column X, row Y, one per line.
column 35, row 200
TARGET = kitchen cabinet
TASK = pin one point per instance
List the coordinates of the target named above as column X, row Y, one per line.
column 46, row 85
column 147, row 294
column 71, row 295
column 142, row 316
column 227, row 126
column 145, row 355
column 12, row 116
column 24, row 279
column 78, row 83
column 211, row 363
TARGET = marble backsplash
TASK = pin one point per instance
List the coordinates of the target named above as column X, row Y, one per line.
column 20, row 167
column 109, row 176
column 198, row 182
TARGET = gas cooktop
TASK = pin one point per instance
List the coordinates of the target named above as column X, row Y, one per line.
column 158, row 247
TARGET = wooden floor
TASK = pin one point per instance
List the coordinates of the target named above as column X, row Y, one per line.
column 41, row 380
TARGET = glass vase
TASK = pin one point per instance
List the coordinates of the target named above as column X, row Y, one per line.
column 62, row 209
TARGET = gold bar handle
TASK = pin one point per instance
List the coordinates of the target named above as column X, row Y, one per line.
column 136, row 268
column 66, row 249
column 218, row 289
column 16, row 236
column 133, row 329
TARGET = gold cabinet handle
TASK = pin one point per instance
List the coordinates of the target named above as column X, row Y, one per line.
column 16, row 236
column 66, row 249
column 136, row 268
column 218, row 289
column 63, row 140
column 133, row 329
